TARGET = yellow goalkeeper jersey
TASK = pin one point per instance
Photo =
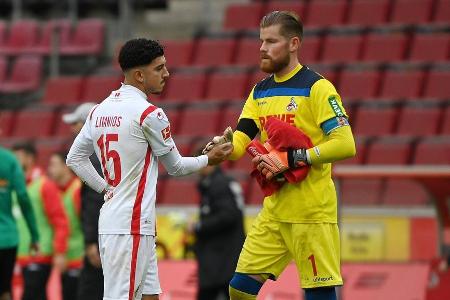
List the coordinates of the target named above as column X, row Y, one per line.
column 306, row 100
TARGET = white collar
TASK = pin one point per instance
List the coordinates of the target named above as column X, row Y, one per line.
column 128, row 87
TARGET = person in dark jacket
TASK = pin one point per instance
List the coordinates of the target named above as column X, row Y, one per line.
column 90, row 286
column 219, row 232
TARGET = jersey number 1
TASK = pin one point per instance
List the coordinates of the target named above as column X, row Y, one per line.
column 106, row 154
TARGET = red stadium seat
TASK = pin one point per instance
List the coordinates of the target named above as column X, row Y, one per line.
column 247, row 53
column 434, row 151
column 178, row 53
column 341, row 48
column 185, row 86
column 404, row 192
column 46, row 148
column 256, row 77
column 381, row 47
column 360, row 191
column 243, row 16
column 310, row 49
column 97, row 88
column 401, row 84
column 419, row 121
column 3, row 68
column 88, row 38
column 359, row 84
column 436, row 84
column 6, row 123
column 33, row 123
column 295, row 6
column 173, row 114
column 442, row 11
column 389, row 151
column 23, row 34
column 63, row 90
column 199, row 122
column 326, row 12
column 445, row 129
column 368, row 12
column 361, row 150
column 411, row 11
column 375, row 121
column 44, row 45
column 180, row 192
column 25, row 76
column 214, row 52
column 430, row 47
column 231, row 115
column 3, row 29
column 227, row 86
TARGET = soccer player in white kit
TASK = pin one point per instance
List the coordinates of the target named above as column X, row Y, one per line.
column 129, row 136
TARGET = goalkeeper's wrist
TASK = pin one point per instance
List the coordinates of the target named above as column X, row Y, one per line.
column 298, row 158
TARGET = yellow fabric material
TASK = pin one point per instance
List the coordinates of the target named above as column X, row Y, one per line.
column 312, row 200
column 239, row 295
column 339, row 145
column 270, row 246
column 240, row 143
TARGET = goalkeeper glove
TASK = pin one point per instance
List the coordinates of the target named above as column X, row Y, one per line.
column 227, row 137
column 276, row 162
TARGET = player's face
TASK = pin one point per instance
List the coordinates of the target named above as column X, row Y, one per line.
column 155, row 75
column 25, row 159
column 56, row 167
column 274, row 50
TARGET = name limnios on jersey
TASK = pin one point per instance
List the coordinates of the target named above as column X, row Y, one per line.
column 108, row 121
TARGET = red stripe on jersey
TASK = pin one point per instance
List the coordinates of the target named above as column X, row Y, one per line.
column 134, row 252
column 92, row 111
column 146, row 113
column 136, row 218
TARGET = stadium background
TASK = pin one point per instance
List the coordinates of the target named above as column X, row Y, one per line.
column 389, row 60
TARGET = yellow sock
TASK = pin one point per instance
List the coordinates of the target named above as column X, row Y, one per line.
column 239, row 295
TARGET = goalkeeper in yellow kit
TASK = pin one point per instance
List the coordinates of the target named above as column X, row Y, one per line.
column 299, row 221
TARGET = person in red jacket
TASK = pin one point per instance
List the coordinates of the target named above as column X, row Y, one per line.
column 52, row 223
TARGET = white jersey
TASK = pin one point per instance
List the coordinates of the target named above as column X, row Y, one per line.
column 128, row 134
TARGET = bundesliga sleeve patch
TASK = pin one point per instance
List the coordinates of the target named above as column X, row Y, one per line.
column 166, row 133
column 333, row 123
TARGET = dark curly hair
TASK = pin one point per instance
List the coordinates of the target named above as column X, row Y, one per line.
column 139, row 52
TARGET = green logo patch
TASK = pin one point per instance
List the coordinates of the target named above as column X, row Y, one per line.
column 335, row 106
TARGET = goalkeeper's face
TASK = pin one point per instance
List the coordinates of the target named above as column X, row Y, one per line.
column 153, row 76
column 274, row 50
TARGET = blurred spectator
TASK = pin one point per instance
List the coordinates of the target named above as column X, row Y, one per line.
column 52, row 226
column 12, row 180
column 69, row 186
column 219, row 232
column 90, row 286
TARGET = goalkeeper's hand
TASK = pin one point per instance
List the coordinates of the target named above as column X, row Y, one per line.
column 271, row 164
column 227, row 137
column 276, row 162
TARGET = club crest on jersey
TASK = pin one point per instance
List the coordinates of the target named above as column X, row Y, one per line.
column 292, row 105
column 166, row 133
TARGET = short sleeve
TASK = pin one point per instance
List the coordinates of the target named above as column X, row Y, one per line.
column 156, row 128
column 250, row 110
column 325, row 102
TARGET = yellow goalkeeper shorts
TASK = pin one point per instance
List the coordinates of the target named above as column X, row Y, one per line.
column 270, row 246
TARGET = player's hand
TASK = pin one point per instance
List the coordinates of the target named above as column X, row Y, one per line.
column 227, row 137
column 93, row 255
column 107, row 194
column 219, row 153
column 59, row 262
column 271, row 164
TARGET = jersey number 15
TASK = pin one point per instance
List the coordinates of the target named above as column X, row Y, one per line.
column 106, row 154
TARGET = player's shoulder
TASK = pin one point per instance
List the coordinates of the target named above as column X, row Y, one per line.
column 264, row 83
column 151, row 111
column 306, row 78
